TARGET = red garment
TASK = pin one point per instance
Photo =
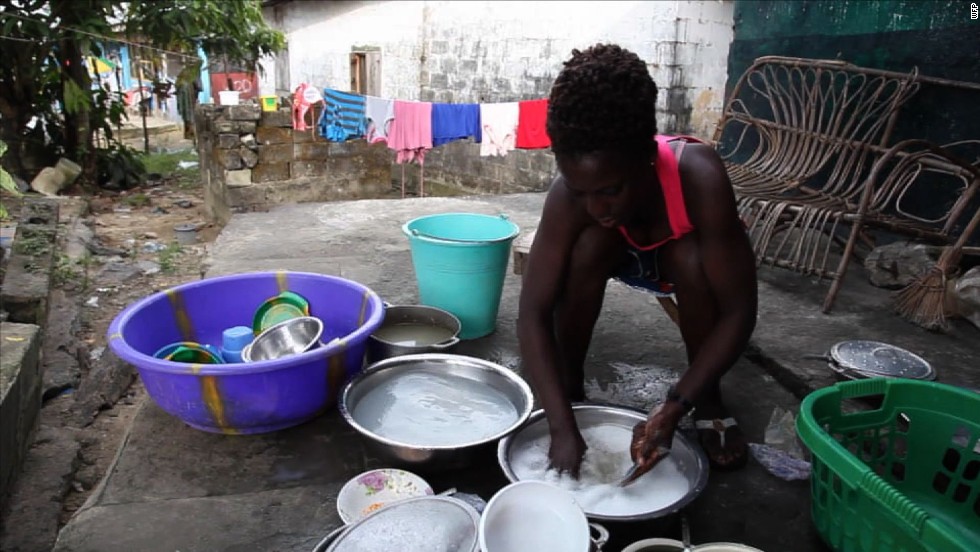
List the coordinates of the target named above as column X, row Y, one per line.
column 531, row 133
column 668, row 172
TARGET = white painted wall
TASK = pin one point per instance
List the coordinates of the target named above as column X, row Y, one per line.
column 320, row 36
column 501, row 51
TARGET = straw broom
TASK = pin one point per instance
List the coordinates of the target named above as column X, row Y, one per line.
column 924, row 300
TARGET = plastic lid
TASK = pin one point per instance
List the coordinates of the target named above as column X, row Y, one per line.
column 874, row 359
column 236, row 338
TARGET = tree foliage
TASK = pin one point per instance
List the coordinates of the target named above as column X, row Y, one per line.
column 48, row 106
column 7, row 183
column 233, row 29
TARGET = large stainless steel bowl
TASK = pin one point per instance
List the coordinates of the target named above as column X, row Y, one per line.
column 500, row 378
column 688, row 455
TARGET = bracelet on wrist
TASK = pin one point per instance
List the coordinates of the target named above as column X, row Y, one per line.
column 673, row 395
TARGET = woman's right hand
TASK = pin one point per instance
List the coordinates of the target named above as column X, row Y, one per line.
column 566, row 451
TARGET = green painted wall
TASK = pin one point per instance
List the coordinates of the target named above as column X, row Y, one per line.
column 763, row 19
column 937, row 36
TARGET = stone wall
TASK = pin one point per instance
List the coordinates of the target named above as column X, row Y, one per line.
column 252, row 160
column 27, row 281
column 457, row 169
column 473, row 52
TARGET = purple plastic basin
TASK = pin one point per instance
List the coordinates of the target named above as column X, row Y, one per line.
column 253, row 397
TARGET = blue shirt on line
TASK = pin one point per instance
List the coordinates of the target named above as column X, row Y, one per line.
column 455, row 122
column 343, row 116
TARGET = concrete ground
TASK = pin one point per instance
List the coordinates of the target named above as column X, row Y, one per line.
column 175, row 488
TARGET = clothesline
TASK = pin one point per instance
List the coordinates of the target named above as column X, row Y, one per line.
column 411, row 128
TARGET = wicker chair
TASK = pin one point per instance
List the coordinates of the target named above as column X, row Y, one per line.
column 806, row 144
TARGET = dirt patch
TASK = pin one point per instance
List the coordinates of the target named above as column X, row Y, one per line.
column 134, row 252
column 125, row 248
column 128, row 248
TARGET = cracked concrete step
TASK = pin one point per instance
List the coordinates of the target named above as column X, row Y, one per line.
column 20, row 396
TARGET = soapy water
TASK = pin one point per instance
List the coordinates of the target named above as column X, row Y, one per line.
column 427, row 409
column 606, row 461
column 414, row 335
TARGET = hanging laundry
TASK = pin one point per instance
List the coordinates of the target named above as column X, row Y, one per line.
column 302, row 101
column 410, row 134
column 531, row 120
column 455, row 122
column 343, row 116
column 379, row 113
column 499, row 124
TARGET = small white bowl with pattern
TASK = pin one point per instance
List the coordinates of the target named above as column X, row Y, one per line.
column 375, row 489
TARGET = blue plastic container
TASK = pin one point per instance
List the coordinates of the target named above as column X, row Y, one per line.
column 253, row 397
column 233, row 340
column 460, row 261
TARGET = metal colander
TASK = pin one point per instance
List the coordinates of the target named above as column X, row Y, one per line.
column 415, row 525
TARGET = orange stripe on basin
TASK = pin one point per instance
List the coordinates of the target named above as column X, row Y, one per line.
column 117, row 335
column 282, row 282
column 212, row 399
column 336, row 374
column 180, row 313
column 364, row 303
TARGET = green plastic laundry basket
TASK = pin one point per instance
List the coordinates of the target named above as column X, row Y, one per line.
column 904, row 477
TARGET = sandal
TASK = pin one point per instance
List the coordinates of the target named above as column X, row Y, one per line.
column 709, row 430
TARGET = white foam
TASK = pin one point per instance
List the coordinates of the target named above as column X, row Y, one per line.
column 428, row 409
column 604, row 465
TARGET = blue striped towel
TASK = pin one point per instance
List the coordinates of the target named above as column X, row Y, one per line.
column 343, row 116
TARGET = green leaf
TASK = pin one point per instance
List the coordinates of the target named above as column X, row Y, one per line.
column 6, row 181
column 76, row 99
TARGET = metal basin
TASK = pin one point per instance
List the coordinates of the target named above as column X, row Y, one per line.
column 689, row 457
column 409, row 316
column 468, row 372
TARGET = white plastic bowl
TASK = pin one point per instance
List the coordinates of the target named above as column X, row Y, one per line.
column 375, row 489
column 534, row 516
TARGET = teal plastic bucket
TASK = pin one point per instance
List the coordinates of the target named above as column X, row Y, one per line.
column 460, row 261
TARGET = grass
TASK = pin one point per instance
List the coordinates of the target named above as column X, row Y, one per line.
column 168, row 257
column 167, row 165
column 67, row 273
column 137, row 200
column 34, row 242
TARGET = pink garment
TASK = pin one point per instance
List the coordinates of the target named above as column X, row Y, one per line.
column 300, row 107
column 410, row 134
column 669, row 175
